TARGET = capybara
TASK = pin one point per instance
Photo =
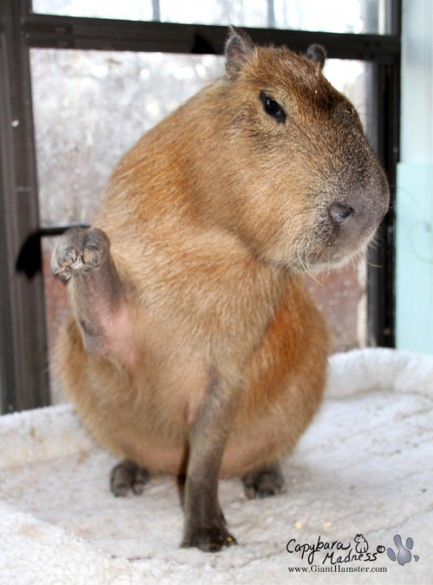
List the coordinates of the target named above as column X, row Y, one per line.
column 193, row 347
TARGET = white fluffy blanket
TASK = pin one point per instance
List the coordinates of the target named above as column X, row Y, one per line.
column 357, row 506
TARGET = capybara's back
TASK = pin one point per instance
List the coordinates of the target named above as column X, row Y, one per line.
column 193, row 347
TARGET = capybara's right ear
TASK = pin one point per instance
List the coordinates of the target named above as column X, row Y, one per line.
column 238, row 49
column 317, row 53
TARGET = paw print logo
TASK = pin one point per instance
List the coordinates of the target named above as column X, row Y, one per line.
column 404, row 552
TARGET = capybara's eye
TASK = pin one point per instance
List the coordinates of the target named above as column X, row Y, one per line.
column 273, row 108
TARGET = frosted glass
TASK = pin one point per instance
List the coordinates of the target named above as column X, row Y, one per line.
column 344, row 16
column 90, row 107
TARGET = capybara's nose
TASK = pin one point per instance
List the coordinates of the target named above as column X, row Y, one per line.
column 340, row 212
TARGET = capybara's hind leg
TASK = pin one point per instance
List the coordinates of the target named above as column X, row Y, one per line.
column 263, row 482
column 128, row 476
column 82, row 258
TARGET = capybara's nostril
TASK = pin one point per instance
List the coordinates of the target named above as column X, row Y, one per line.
column 339, row 212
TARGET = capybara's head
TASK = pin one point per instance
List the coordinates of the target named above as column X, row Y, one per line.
column 302, row 186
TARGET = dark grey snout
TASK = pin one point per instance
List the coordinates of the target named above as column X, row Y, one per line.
column 353, row 219
column 357, row 210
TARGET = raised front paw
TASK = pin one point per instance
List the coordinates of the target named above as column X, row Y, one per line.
column 208, row 539
column 79, row 249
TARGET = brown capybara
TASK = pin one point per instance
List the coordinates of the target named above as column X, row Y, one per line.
column 193, row 347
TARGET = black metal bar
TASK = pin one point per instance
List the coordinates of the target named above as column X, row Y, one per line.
column 7, row 370
column 24, row 376
column 381, row 258
column 396, row 17
column 381, row 273
column 45, row 31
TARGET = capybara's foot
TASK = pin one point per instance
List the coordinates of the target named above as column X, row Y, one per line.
column 263, row 482
column 78, row 250
column 128, row 477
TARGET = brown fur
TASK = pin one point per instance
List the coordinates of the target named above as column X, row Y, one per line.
column 201, row 352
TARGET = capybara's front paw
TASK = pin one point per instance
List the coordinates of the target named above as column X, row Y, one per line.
column 77, row 250
column 208, row 539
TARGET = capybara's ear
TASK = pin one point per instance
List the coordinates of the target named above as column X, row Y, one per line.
column 238, row 49
column 317, row 54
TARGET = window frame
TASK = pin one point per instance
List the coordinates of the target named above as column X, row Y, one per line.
column 24, row 380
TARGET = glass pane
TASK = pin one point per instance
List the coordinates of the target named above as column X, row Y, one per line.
column 91, row 107
column 124, row 10
column 357, row 16
column 339, row 16
column 253, row 13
